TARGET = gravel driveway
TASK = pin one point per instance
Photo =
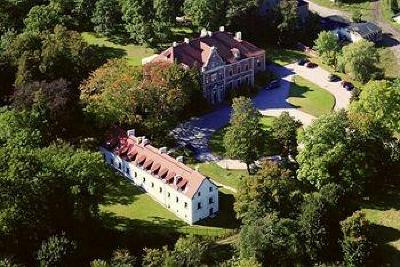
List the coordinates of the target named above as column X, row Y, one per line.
column 199, row 130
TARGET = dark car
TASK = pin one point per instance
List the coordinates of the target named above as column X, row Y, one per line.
column 347, row 85
column 303, row 61
column 311, row 65
column 333, row 78
column 273, row 84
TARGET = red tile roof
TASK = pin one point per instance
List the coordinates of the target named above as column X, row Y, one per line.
column 159, row 164
column 197, row 51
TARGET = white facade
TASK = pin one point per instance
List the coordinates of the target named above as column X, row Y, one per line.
column 203, row 204
column 396, row 18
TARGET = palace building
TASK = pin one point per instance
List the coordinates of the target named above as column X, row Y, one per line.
column 225, row 60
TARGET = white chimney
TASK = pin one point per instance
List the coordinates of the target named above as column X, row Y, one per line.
column 131, row 133
column 186, row 40
column 203, row 33
column 221, row 28
column 174, row 44
column 209, row 33
column 238, row 36
column 145, row 141
column 163, row 150
column 179, row 159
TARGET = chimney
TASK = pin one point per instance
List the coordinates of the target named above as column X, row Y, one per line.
column 145, row 141
column 186, row 40
column 179, row 159
column 221, row 28
column 174, row 44
column 203, row 33
column 238, row 36
column 163, row 150
column 131, row 133
column 210, row 33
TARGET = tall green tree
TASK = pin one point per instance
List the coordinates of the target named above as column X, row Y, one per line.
column 207, row 14
column 45, row 17
column 138, row 17
column 360, row 61
column 284, row 132
column 107, row 17
column 356, row 244
column 381, row 100
column 243, row 139
column 327, row 45
column 56, row 251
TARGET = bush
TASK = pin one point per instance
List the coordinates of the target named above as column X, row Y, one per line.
column 56, row 251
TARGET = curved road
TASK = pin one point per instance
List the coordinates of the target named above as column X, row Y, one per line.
column 199, row 130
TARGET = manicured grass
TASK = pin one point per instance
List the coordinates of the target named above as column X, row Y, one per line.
column 127, row 207
column 388, row 63
column 226, row 177
column 310, row 98
column 388, row 13
column 350, row 6
column 133, row 53
column 384, row 212
column 216, row 143
column 283, row 56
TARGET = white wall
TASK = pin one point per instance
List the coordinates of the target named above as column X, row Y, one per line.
column 168, row 196
column 203, row 198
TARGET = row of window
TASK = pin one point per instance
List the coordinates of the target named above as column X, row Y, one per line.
column 199, row 206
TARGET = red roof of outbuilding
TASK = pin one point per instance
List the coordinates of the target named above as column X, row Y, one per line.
column 150, row 158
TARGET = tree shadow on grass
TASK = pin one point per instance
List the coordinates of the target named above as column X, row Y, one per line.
column 388, row 198
column 122, row 192
column 226, row 215
column 298, row 91
column 109, row 52
column 385, row 254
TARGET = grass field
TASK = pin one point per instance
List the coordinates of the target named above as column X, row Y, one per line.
column 216, row 143
column 283, row 56
column 388, row 63
column 388, row 13
column 384, row 212
column 310, row 98
column 226, row 177
column 362, row 5
column 133, row 53
column 127, row 207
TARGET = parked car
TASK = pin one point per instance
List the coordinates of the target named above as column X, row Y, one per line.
column 273, row 84
column 333, row 78
column 311, row 65
column 302, row 62
column 347, row 85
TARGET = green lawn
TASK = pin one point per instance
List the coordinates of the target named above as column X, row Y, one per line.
column 226, row 177
column 350, row 6
column 283, row 56
column 388, row 63
column 216, row 143
column 310, row 98
column 126, row 208
column 134, row 53
column 384, row 212
column 388, row 13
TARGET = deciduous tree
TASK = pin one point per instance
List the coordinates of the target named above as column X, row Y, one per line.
column 360, row 60
column 328, row 47
column 243, row 139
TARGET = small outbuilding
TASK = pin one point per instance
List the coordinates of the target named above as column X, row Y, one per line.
column 361, row 31
column 396, row 18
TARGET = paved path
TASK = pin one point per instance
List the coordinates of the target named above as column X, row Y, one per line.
column 391, row 36
column 199, row 130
